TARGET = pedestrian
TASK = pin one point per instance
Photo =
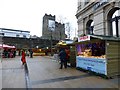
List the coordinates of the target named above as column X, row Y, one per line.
column 31, row 53
column 19, row 52
column 68, row 54
column 23, row 58
column 62, row 54
column 14, row 53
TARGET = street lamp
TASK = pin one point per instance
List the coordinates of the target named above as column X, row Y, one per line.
column 60, row 34
column 51, row 28
column 37, row 47
column 51, row 43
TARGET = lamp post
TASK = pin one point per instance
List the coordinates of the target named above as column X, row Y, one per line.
column 30, row 44
column 51, row 28
column 51, row 39
column 60, row 35
column 51, row 44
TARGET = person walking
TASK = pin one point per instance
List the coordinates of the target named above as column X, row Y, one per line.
column 62, row 54
column 23, row 58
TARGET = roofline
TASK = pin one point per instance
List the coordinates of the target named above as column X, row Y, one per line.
column 103, row 37
column 14, row 30
column 107, row 37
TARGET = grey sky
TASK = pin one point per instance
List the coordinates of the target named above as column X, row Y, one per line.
column 28, row 14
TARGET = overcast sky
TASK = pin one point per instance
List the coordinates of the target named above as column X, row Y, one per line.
column 27, row 14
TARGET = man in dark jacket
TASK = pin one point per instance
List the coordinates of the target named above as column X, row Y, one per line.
column 31, row 53
column 63, row 60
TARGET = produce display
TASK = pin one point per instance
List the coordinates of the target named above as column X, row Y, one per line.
column 96, row 50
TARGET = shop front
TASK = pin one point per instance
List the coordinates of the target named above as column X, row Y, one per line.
column 99, row 54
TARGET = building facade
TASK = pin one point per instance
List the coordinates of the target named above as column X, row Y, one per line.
column 99, row 17
column 14, row 33
column 52, row 29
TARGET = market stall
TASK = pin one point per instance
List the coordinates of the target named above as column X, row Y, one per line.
column 100, row 54
column 6, row 46
column 8, row 51
column 69, row 47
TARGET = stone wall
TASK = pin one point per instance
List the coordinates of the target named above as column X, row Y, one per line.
column 28, row 42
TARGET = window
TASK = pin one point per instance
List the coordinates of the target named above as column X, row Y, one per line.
column 24, row 36
column 79, row 4
column 86, row 2
column 17, row 35
column 90, row 27
column 114, row 30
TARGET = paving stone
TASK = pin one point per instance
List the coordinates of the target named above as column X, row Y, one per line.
column 44, row 72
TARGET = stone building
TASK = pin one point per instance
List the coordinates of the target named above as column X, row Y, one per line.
column 52, row 29
column 98, row 17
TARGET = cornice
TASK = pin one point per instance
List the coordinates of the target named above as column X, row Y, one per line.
column 81, row 11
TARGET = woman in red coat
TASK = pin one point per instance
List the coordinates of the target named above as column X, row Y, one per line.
column 23, row 59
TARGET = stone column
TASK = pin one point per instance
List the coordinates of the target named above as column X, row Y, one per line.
column 81, row 27
column 99, row 25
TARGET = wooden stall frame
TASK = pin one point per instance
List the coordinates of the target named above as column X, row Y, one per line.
column 112, row 52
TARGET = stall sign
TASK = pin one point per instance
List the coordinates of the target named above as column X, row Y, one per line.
column 92, row 64
column 84, row 38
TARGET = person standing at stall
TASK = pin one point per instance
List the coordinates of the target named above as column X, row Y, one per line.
column 31, row 53
column 14, row 53
column 67, row 54
column 23, row 58
column 62, row 54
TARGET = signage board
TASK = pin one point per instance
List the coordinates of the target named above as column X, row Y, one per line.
column 92, row 64
column 51, row 24
column 84, row 38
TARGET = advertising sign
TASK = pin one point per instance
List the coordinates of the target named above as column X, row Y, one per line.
column 84, row 38
column 92, row 64
column 51, row 25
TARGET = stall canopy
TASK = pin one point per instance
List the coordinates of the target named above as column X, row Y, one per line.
column 101, row 37
column 7, row 46
column 65, row 42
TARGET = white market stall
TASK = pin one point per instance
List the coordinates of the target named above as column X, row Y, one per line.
column 6, row 46
column 7, row 51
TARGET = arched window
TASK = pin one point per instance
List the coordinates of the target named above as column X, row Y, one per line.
column 90, row 27
column 115, row 15
column 113, row 21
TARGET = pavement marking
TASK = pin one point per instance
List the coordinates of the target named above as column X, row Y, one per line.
column 28, row 84
column 59, row 79
column 11, row 68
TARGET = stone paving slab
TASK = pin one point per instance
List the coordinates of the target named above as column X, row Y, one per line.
column 0, row 75
column 13, row 75
column 45, row 73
